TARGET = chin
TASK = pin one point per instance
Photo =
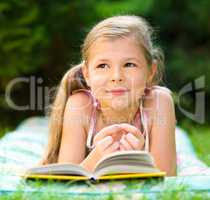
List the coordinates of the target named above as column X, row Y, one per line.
column 119, row 107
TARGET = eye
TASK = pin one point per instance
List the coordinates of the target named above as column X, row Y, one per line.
column 130, row 65
column 102, row 66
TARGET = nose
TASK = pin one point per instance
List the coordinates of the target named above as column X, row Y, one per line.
column 117, row 76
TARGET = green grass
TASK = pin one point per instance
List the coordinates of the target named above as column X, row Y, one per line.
column 200, row 138
column 171, row 192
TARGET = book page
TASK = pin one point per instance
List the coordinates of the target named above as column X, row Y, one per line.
column 126, row 162
column 124, row 169
column 123, row 155
column 59, row 169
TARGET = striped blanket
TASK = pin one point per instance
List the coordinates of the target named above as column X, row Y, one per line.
column 23, row 148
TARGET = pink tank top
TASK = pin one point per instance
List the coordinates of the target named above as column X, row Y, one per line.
column 140, row 121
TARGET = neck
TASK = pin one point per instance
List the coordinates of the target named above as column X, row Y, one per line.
column 110, row 116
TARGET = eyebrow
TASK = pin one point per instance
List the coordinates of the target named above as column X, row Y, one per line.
column 103, row 59
column 133, row 59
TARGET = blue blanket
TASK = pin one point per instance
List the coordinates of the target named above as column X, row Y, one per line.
column 23, row 147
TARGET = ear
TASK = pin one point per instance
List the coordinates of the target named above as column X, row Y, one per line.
column 85, row 73
column 153, row 71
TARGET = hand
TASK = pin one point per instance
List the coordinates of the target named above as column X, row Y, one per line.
column 115, row 131
column 104, row 147
column 133, row 140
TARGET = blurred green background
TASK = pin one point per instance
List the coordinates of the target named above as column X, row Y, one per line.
column 42, row 38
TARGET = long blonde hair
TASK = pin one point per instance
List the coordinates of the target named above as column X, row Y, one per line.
column 113, row 27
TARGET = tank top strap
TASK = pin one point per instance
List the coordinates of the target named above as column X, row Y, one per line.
column 91, row 131
column 92, row 120
column 144, row 122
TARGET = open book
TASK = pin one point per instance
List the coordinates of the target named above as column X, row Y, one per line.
column 117, row 165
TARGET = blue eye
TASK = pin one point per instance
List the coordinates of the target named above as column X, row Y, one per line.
column 130, row 65
column 102, row 66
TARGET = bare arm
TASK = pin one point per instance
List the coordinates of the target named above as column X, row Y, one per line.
column 73, row 140
column 163, row 146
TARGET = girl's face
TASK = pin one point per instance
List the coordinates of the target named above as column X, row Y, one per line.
column 114, row 64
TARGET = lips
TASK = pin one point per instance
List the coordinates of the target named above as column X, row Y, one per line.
column 118, row 91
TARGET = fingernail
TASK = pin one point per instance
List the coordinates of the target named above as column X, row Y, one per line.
column 129, row 134
column 109, row 139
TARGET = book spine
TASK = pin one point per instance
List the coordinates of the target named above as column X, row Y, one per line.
column 93, row 179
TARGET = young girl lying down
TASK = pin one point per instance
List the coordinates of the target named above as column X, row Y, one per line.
column 111, row 101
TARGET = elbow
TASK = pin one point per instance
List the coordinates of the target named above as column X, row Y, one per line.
column 171, row 174
column 172, row 171
column 170, row 168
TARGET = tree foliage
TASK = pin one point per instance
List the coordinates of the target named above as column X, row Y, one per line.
column 44, row 37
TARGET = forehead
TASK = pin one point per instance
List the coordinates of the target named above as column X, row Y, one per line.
column 115, row 48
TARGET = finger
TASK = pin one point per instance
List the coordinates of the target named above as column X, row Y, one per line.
column 117, row 135
column 109, row 130
column 121, row 147
column 112, row 148
column 105, row 142
column 133, row 141
column 125, row 144
column 123, row 136
column 132, row 129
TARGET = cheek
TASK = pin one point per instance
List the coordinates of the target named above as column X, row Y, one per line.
column 96, row 78
column 98, row 84
column 137, row 81
column 137, row 86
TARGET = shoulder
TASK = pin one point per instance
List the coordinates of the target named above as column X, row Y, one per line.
column 163, row 99
column 159, row 94
column 156, row 89
column 159, row 104
column 79, row 104
column 79, row 100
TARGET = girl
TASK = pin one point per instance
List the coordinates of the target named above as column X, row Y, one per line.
column 111, row 101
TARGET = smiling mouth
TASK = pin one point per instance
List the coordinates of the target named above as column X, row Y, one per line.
column 118, row 92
